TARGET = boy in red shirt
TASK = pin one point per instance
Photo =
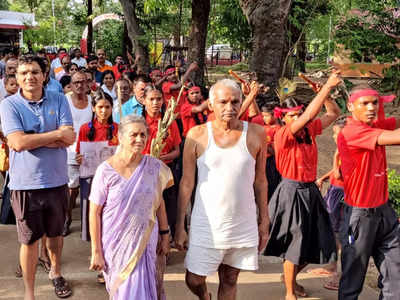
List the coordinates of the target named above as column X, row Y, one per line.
column 172, row 86
column 271, row 126
column 370, row 226
column 192, row 110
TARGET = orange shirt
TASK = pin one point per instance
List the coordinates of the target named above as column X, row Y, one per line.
column 104, row 68
column 294, row 160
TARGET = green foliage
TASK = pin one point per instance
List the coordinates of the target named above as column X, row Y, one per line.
column 70, row 20
column 4, row 5
column 365, row 35
column 391, row 80
column 394, row 190
column 228, row 25
column 316, row 65
column 239, row 67
column 109, row 36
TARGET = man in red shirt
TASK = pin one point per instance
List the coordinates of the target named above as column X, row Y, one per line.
column 370, row 226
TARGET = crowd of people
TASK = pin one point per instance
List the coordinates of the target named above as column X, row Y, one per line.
column 233, row 180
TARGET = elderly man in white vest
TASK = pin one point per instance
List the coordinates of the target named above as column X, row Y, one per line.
column 226, row 233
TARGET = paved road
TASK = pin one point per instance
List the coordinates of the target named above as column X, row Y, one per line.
column 264, row 284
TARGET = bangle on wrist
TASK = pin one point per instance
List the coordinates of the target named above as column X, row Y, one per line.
column 163, row 232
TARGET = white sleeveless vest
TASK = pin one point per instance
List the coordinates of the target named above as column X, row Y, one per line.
column 224, row 214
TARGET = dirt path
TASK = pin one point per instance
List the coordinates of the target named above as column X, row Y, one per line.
column 263, row 284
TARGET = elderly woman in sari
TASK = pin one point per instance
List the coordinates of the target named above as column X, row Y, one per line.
column 128, row 221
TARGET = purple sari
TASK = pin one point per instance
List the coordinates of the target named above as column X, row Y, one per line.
column 129, row 226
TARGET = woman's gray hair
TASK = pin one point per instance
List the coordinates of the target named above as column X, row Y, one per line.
column 229, row 83
column 130, row 119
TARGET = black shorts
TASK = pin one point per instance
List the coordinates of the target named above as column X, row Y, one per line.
column 39, row 212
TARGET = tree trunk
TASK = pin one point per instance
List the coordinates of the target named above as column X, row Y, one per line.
column 126, row 44
column 136, row 34
column 198, row 37
column 267, row 20
column 90, row 26
column 302, row 53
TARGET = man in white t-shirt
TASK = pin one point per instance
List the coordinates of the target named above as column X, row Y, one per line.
column 78, row 59
column 81, row 109
column 226, row 234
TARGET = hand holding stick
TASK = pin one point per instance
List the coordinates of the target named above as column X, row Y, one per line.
column 237, row 77
column 316, row 87
column 158, row 143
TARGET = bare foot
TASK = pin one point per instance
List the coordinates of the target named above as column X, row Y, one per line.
column 299, row 290
column 291, row 297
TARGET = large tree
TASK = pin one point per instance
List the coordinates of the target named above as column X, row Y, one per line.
column 136, row 34
column 198, row 36
column 267, row 20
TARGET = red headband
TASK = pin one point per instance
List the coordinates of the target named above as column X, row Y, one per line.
column 279, row 111
column 371, row 92
column 169, row 71
column 194, row 89
column 62, row 55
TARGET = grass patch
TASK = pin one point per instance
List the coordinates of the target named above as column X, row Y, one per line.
column 316, row 65
column 239, row 67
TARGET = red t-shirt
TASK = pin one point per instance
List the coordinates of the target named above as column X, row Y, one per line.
column 297, row 161
column 364, row 162
column 168, row 93
column 117, row 74
column 270, row 131
column 100, row 134
column 188, row 118
column 173, row 138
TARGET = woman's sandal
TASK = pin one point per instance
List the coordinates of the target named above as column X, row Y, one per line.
column 61, row 287
column 100, row 278
column 45, row 264
column 18, row 271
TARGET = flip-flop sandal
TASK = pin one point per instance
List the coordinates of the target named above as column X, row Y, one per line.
column 61, row 287
column 18, row 272
column 45, row 264
column 100, row 278
column 299, row 290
